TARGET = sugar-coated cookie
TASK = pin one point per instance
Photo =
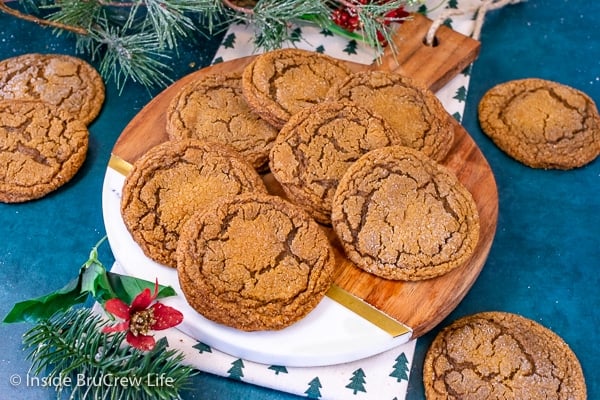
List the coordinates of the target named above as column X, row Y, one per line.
column 212, row 108
column 279, row 83
column 499, row 355
column 41, row 149
column 254, row 262
column 409, row 107
column 400, row 215
column 542, row 124
column 63, row 81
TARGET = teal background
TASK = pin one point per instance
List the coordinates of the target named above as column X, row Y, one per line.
column 544, row 263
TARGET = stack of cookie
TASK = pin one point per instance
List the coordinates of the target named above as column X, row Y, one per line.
column 363, row 155
column 358, row 152
column 46, row 103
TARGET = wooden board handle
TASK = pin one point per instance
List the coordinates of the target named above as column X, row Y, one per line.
column 433, row 65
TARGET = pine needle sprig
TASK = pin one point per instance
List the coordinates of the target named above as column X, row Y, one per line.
column 374, row 22
column 73, row 13
column 272, row 19
column 71, row 349
column 138, row 56
column 174, row 17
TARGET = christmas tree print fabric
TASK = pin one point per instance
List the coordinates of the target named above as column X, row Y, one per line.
column 383, row 376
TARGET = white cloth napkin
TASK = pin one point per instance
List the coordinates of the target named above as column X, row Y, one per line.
column 382, row 376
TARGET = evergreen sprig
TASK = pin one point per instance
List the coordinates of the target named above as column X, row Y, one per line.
column 84, row 363
column 138, row 56
column 272, row 19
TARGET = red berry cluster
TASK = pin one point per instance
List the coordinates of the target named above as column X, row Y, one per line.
column 347, row 16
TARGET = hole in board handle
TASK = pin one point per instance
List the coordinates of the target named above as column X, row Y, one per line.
column 434, row 43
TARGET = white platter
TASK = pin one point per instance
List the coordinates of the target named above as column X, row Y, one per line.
column 330, row 334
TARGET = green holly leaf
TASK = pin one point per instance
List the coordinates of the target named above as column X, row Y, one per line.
column 93, row 281
column 127, row 287
column 46, row 306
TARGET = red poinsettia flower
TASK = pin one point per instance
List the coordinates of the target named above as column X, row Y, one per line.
column 141, row 317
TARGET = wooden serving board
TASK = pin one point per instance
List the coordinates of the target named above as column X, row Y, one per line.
column 418, row 305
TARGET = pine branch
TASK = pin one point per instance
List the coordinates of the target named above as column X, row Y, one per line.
column 373, row 21
column 40, row 21
column 71, row 349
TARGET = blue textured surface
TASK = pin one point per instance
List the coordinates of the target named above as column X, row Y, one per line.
column 543, row 264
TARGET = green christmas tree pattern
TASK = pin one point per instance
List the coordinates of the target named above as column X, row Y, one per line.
column 457, row 116
column 296, row 35
column 313, row 391
column 400, row 371
column 461, row 94
column 326, row 32
column 467, row 71
column 357, row 382
column 452, row 4
column 236, row 371
column 202, row 347
column 229, row 41
column 351, row 47
column 278, row 369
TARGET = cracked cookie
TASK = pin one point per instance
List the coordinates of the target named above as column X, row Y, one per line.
column 279, row 83
column 542, row 124
column 254, row 262
column 63, row 81
column 316, row 146
column 214, row 109
column 173, row 180
column 41, row 149
column 400, row 215
column 410, row 108
column 499, row 355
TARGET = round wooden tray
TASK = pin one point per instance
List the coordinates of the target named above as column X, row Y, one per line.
column 417, row 305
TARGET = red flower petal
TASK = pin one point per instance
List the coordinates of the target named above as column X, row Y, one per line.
column 145, row 298
column 118, row 308
column 166, row 317
column 141, row 342
column 141, row 301
column 122, row 326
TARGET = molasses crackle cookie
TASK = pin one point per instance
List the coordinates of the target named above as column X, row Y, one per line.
column 542, row 124
column 173, row 180
column 279, row 83
column 499, row 355
column 410, row 108
column 41, row 149
column 66, row 82
column 254, row 262
column 213, row 108
column 400, row 215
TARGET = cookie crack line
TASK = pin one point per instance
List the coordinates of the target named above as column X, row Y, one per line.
column 584, row 116
column 33, row 154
